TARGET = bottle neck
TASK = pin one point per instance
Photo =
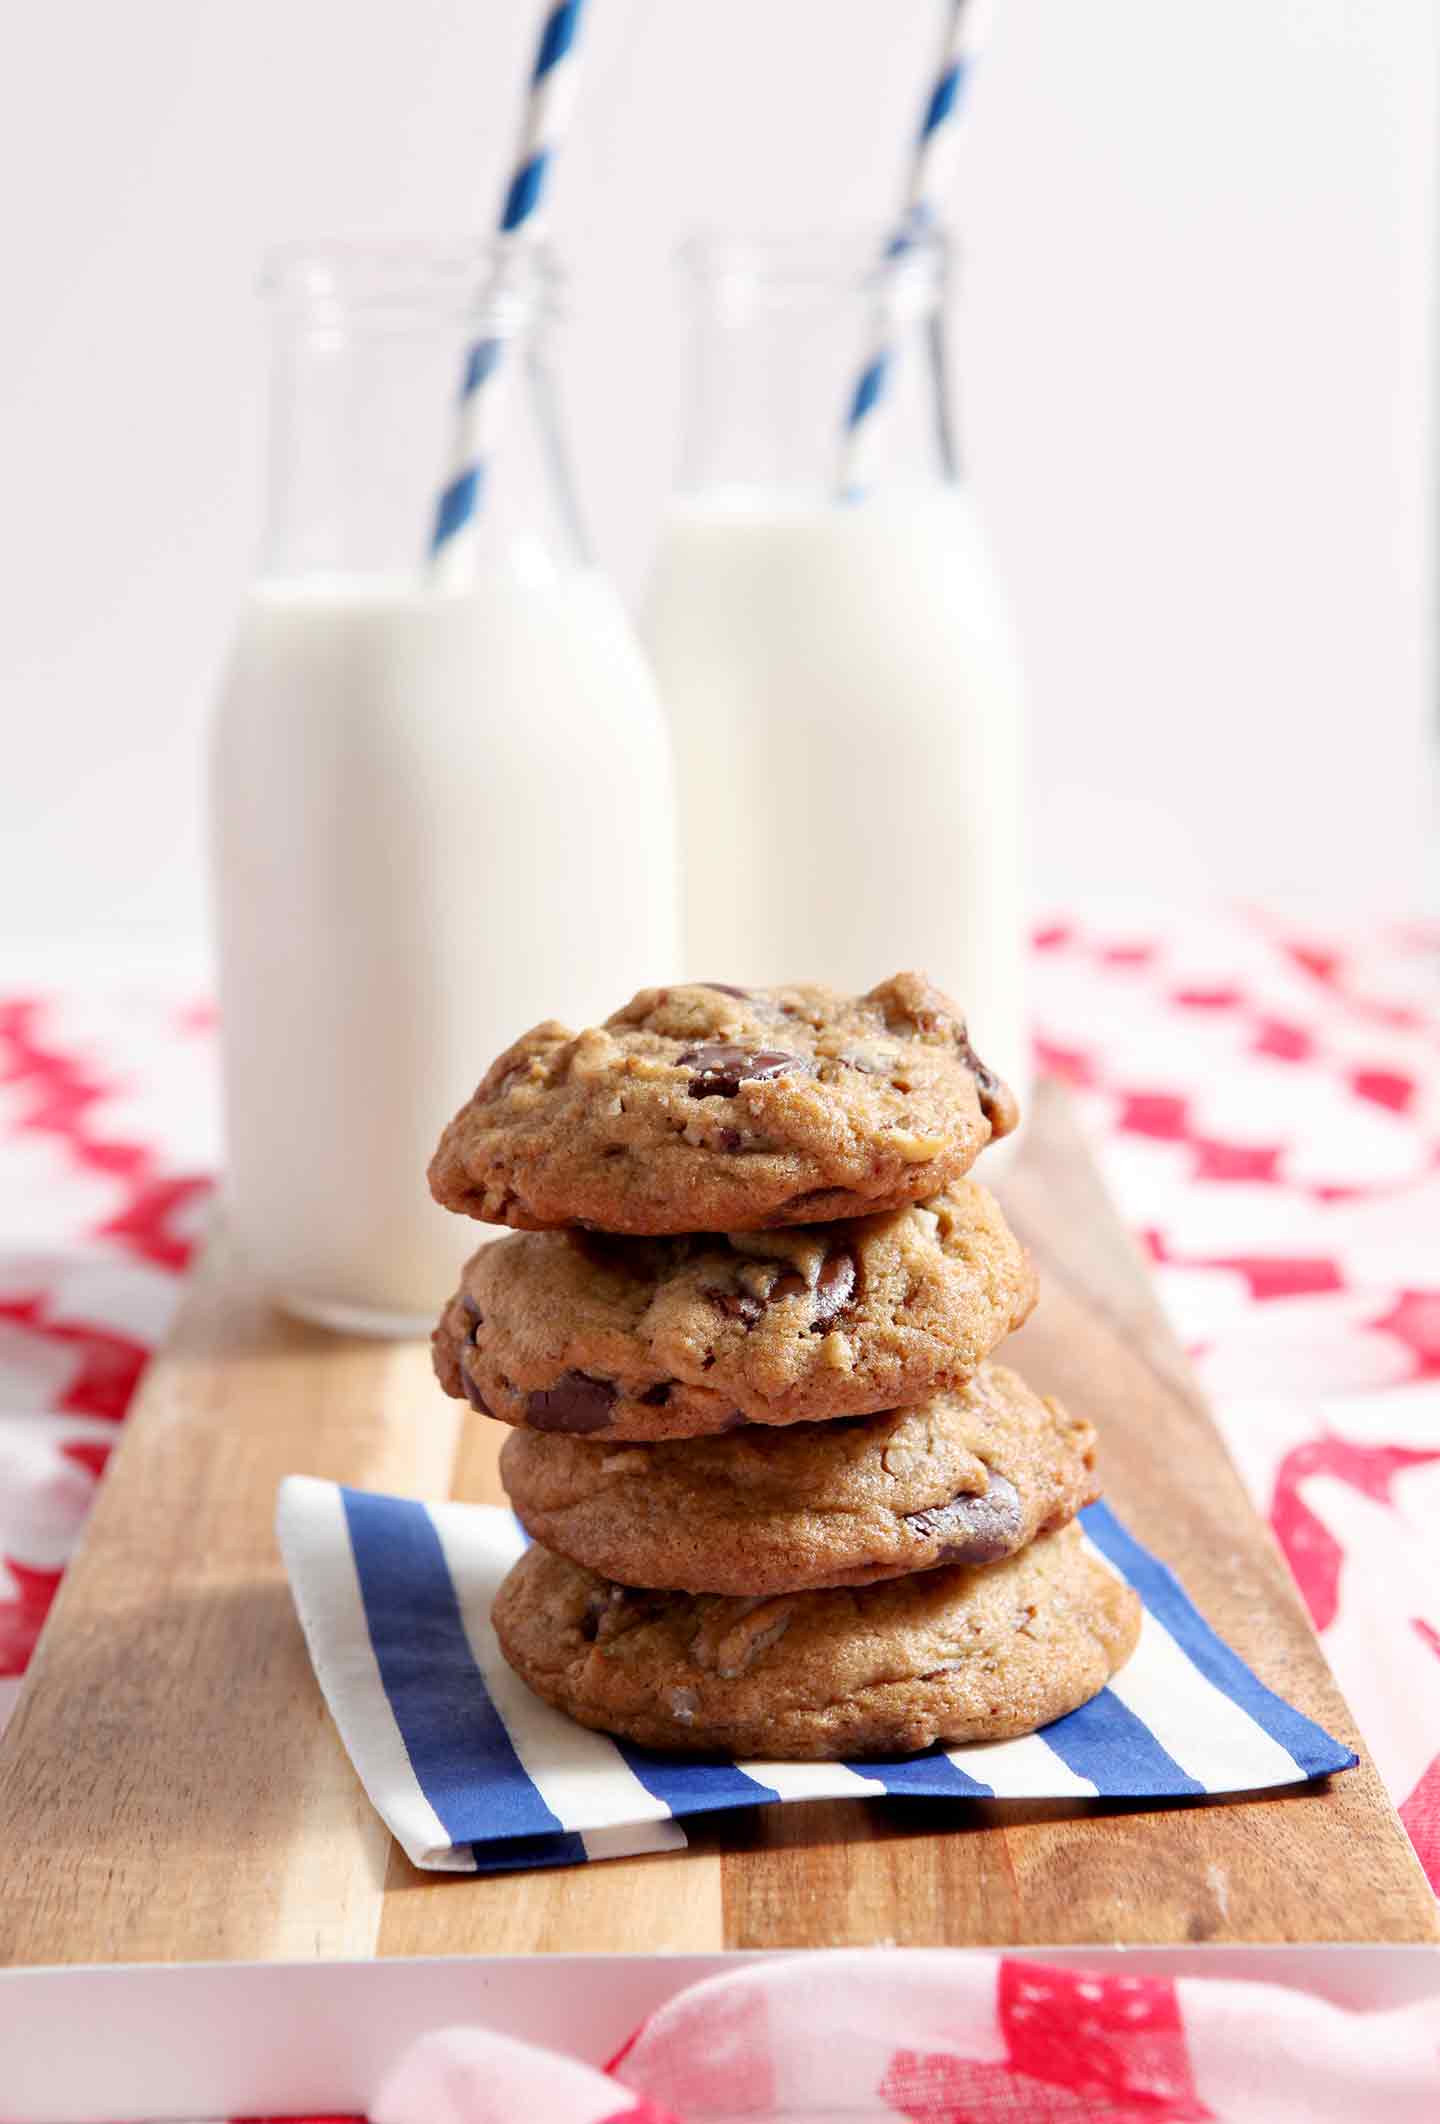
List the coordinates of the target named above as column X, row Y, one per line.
column 779, row 336
column 368, row 348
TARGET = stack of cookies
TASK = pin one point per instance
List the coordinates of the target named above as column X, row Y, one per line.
column 781, row 1503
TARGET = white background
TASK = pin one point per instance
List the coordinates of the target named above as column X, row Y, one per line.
column 1194, row 351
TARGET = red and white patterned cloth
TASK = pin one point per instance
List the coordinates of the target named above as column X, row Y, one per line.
column 108, row 1138
column 880, row 2038
column 1266, row 1105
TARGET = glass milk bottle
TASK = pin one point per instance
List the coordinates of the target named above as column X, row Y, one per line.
column 839, row 673
column 439, row 815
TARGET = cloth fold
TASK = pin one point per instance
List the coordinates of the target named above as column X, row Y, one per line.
column 949, row 2038
column 471, row 1772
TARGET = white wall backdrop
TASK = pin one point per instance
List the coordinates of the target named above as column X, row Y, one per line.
column 1195, row 359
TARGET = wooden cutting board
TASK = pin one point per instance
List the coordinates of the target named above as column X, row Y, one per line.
column 171, row 1787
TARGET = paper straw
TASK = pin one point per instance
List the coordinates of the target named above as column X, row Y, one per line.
column 934, row 142
column 547, row 112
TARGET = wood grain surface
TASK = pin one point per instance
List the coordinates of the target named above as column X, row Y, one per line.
column 171, row 1787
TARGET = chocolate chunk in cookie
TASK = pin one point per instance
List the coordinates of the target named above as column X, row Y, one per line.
column 576, row 1402
column 975, row 1529
column 717, row 1070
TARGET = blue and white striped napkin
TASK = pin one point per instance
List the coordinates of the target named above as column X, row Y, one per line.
column 473, row 1774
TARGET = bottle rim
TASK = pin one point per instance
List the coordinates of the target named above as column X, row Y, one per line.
column 750, row 270
column 420, row 281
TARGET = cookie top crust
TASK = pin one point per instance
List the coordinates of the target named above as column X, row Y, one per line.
column 706, row 1107
column 965, row 1477
column 960, row 1653
column 675, row 1337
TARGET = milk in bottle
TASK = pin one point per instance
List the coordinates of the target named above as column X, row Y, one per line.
column 840, row 675
column 439, row 815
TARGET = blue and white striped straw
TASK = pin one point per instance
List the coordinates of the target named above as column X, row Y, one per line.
column 935, row 139
column 548, row 105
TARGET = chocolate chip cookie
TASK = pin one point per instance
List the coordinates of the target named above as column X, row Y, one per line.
column 708, row 1108
column 967, row 1477
column 962, row 1653
column 668, row 1338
